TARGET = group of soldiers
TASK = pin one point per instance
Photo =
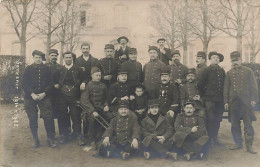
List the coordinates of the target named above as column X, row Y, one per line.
column 163, row 108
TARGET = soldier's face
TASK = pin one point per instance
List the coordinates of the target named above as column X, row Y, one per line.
column 85, row 49
column 139, row 91
column 68, row 59
column 123, row 111
column 53, row 57
column 109, row 53
column 37, row 59
column 236, row 62
column 122, row 78
column 200, row 60
column 189, row 110
column 161, row 43
column 96, row 76
column 132, row 56
column 214, row 59
column 191, row 77
column 176, row 58
column 154, row 110
column 165, row 79
column 153, row 54
column 123, row 42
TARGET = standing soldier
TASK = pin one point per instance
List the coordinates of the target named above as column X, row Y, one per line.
column 69, row 82
column 210, row 85
column 201, row 63
column 122, row 53
column 178, row 70
column 240, row 95
column 109, row 66
column 86, row 61
column 37, row 85
column 133, row 69
column 165, row 53
column 152, row 71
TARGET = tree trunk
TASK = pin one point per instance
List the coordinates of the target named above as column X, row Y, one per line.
column 185, row 35
column 23, row 33
column 205, row 27
column 49, row 33
column 239, row 28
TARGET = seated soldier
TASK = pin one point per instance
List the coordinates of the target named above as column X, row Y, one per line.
column 190, row 136
column 122, row 135
column 156, row 131
column 138, row 102
column 189, row 92
column 94, row 100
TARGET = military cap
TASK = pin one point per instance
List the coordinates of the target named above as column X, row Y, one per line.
column 153, row 48
column 53, row 51
column 37, row 52
column 176, row 52
column 123, row 104
column 122, row 37
column 153, row 102
column 121, row 71
column 165, row 70
column 187, row 103
column 221, row 57
column 94, row 70
column 132, row 51
column 201, row 54
column 191, row 70
column 161, row 39
column 109, row 46
column 235, row 55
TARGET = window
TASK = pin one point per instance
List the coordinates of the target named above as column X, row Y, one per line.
column 86, row 15
column 121, row 16
column 83, row 18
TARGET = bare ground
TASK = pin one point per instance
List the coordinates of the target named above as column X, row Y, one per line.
column 16, row 151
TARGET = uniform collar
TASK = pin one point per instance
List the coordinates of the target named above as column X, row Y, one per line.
column 36, row 65
column 68, row 66
column 153, row 60
column 201, row 65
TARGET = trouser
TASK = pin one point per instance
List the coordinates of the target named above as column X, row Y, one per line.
column 200, row 109
column 194, row 144
column 63, row 104
column 31, row 107
column 214, row 112
column 116, row 149
column 240, row 111
column 157, row 148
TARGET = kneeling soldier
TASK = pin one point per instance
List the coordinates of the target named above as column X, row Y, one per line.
column 122, row 135
column 190, row 136
column 156, row 131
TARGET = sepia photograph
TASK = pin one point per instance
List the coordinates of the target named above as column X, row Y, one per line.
column 127, row 83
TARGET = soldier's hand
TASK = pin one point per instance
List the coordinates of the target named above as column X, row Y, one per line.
column 194, row 129
column 34, row 96
column 82, row 86
column 132, row 97
column 108, row 77
column 178, row 81
column 226, row 106
column 106, row 108
column 163, row 51
column 197, row 97
column 161, row 139
column 95, row 114
column 56, row 86
column 123, row 56
column 253, row 103
column 171, row 113
column 106, row 141
column 125, row 98
column 134, row 143
column 41, row 96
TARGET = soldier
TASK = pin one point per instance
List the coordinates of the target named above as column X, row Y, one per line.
column 94, row 98
column 164, row 53
column 156, row 131
column 118, row 91
column 240, row 95
column 86, row 61
column 210, row 85
column 122, row 53
column 190, row 136
column 37, row 85
column 201, row 63
column 189, row 92
column 178, row 70
column 133, row 69
column 70, row 79
column 152, row 71
column 109, row 66
column 122, row 135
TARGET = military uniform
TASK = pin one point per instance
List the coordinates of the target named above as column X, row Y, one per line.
column 178, row 72
column 37, row 79
column 110, row 66
column 87, row 65
column 186, row 140
column 210, row 85
column 165, row 58
column 239, row 90
column 200, row 69
column 152, row 79
column 120, row 52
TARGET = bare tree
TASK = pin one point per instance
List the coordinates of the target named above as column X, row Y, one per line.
column 21, row 12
